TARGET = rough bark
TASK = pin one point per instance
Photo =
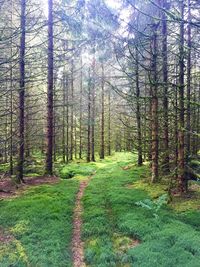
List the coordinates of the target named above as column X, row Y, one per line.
column 188, row 117
column 154, row 105
column 81, row 112
column 109, row 123
column 89, row 121
column 22, row 92
column 165, row 89
column 181, row 136
column 49, row 134
column 102, row 114
column 72, row 113
column 138, row 117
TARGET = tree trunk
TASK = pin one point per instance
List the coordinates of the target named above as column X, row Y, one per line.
column 181, row 143
column 188, row 118
column 165, row 91
column 63, row 117
column 49, row 134
column 72, row 112
column 154, row 105
column 89, row 120
column 22, row 92
column 67, row 118
column 138, row 117
column 81, row 111
column 93, row 111
column 102, row 114
column 109, row 123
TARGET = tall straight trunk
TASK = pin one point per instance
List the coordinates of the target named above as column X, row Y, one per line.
column 154, row 105
column 6, row 129
column 81, row 111
column 11, row 115
column 27, row 127
column 188, row 118
column 49, row 134
column 176, row 129
column 145, row 122
column 93, row 111
column 22, row 92
column 102, row 113
column 165, row 88
column 109, row 123
column 197, row 138
column 89, row 121
column 67, row 119
column 75, row 139
column 181, row 142
column 63, row 117
column 138, row 117
column 54, row 120
column 72, row 113
column 11, row 96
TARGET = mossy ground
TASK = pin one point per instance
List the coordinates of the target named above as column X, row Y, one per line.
column 111, row 217
column 40, row 223
column 116, row 232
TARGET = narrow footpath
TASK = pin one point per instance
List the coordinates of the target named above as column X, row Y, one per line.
column 77, row 243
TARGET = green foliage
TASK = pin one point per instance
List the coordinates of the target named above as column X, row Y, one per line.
column 111, row 216
column 153, row 205
column 76, row 169
column 40, row 224
column 4, row 167
column 40, row 221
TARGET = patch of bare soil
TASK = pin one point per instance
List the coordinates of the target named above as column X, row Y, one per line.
column 126, row 168
column 129, row 186
column 5, row 237
column 77, row 243
column 9, row 188
column 134, row 243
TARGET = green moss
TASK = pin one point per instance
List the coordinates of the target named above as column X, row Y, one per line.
column 76, row 169
column 40, row 222
column 153, row 190
column 112, row 219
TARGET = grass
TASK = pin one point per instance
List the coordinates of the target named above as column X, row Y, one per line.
column 40, row 223
column 116, row 231
column 77, row 170
column 111, row 216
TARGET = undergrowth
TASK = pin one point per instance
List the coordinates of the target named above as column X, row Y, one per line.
column 110, row 210
column 116, row 231
column 40, row 224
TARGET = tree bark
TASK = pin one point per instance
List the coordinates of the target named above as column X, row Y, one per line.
column 81, row 111
column 49, row 134
column 22, row 92
column 72, row 113
column 109, row 123
column 188, row 117
column 138, row 117
column 89, row 121
column 154, row 105
column 165, row 89
column 102, row 113
column 181, row 142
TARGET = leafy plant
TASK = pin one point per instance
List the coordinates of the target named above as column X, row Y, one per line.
column 153, row 205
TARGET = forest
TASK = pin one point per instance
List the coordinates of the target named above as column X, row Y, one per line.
column 99, row 133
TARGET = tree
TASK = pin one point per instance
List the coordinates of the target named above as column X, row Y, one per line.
column 22, row 92
column 49, row 133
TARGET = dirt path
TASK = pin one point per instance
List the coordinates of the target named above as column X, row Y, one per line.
column 77, row 244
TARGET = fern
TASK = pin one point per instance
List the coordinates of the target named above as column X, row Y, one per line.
column 153, row 205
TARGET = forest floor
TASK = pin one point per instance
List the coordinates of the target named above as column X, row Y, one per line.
column 99, row 218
